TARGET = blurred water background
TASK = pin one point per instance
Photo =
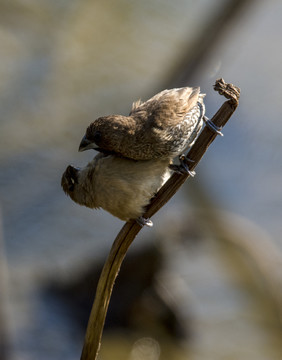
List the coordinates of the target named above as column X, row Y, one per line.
column 65, row 63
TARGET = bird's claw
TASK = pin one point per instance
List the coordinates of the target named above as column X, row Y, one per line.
column 142, row 221
column 183, row 167
column 212, row 126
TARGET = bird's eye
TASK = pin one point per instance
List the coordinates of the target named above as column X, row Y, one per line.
column 97, row 136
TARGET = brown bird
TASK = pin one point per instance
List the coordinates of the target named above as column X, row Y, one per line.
column 121, row 186
column 162, row 127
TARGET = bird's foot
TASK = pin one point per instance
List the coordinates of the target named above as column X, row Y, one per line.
column 71, row 176
column 183, row 167
column 212, row 126
column 142, row 221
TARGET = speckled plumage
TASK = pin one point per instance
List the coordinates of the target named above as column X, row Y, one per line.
column 162, row 127
column 123, row 187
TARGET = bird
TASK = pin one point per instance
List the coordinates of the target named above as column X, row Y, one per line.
column 163, row 127
column 121, row 186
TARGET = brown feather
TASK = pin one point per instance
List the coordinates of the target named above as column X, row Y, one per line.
column 161, row 127
column 120, row 186
column 168, row 107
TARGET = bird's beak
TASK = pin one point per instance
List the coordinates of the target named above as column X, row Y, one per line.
column 86, row 144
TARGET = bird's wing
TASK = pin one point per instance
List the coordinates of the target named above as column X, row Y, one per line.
column 166, row 108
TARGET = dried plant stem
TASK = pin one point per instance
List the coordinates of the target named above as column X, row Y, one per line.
column 131, row 229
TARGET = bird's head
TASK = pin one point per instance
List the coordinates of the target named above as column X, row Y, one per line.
column 70, row 179
column 104, row 134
